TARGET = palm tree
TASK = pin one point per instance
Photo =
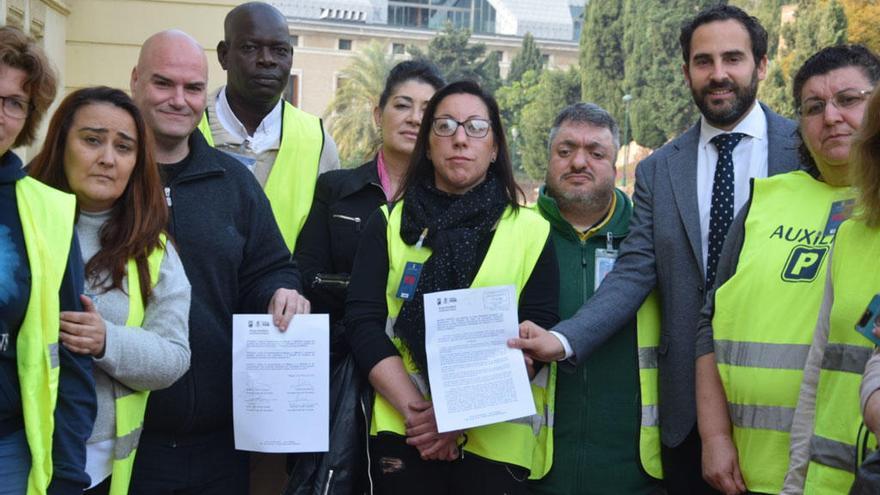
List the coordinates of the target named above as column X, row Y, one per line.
column 349, row 114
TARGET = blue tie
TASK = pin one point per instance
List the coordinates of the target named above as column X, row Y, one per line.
column 721, row 212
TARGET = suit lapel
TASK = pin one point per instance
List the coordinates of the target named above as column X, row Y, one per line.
column 682, row 167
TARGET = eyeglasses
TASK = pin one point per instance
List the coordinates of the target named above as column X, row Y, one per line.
column 14, row 108
column 843, row 100
column 447, row 126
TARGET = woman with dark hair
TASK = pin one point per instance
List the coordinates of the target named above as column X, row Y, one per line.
column 47, row 396
column 758, row 322
column 459, row 217
column 135, row 318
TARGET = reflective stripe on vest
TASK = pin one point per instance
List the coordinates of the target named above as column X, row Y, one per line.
column 833, row 447
column 131, row 405
column 47, row 225
column 291, row 183
column 648, row 338
column 765, row 315
column 517, row 244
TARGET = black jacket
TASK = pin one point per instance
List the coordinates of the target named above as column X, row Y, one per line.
column 344, row 199
column 235, row 259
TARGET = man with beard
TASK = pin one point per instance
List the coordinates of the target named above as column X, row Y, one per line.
column 596, row 423
column 283, row 146
column 686, row 195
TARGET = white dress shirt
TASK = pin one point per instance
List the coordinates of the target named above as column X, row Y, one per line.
column 268, row 133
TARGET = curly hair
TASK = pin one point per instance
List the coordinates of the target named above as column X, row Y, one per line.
column 20, row 51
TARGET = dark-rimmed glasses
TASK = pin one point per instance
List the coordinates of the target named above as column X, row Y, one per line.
column 446, row 126
column 843, row 100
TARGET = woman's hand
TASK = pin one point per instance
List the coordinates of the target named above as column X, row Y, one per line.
column 421, row 433
column 284, row 304
column 721, row 465
column 83, row 332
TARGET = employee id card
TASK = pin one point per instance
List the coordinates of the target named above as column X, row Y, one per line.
column 605, row 259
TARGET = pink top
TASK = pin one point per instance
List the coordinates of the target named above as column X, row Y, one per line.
column 383, row 175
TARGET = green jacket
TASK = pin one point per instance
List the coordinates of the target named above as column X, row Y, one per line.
column 596, row 435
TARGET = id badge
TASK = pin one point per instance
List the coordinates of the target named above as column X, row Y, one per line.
column 411, row 273
column 605, row 259
column 840, row 211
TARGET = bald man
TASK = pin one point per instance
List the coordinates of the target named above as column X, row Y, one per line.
column 286, row 148
column 236, row 260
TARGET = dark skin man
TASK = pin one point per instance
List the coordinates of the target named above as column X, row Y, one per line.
column 257, row 56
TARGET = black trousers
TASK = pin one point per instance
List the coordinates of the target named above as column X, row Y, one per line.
column 683, row 467
column 397, row 469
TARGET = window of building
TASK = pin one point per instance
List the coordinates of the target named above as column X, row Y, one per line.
column 398, row 48
column 294, row 40
column 291, row 92
column 476, row 15
column 500, row 55
column 344, row 44
column 545, row 59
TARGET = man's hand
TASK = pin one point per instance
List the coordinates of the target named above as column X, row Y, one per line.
column 537, row 343
column 721, row 465
column 83, row 332
column 284, row 304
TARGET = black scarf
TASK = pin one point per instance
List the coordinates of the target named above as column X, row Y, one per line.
column 457, row 226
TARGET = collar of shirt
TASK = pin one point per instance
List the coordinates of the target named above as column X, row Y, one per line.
column 268, row 133
column 754, row 125
column 10, row 168
column 590, row 232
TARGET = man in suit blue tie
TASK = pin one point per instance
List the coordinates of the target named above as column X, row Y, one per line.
column 686, row 195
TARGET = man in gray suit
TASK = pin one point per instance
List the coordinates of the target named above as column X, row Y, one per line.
column 686, row 195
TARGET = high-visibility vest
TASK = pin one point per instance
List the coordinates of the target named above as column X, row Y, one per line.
column 835, row 447
column 47, row 225
column 648, row 339
column 765, row 315
column 517, row 244
column 130, row 404
column 291, row 183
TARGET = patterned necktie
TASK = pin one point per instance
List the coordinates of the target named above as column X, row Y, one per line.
column 721, row 212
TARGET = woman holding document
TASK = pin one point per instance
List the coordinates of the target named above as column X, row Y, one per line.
column 458, row 224
column 136, row 312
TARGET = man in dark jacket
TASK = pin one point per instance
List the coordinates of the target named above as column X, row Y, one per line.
column 236, row 261
column 596, row 447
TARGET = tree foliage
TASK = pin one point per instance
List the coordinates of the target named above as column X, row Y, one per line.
column 863, row 17
column 512, row 98
column 528, row 58
column 602, row 56
column 349, row 114
column 459, row 59
column 555, row 90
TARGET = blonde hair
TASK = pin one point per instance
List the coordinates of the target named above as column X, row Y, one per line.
column 865, row 163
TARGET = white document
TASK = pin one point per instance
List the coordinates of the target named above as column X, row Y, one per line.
column 475, row 378
column 281, row 384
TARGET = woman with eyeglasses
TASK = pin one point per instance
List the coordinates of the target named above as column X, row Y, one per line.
column 460, row 220
column 757, row 326
column 47, row 396
column 134, row 323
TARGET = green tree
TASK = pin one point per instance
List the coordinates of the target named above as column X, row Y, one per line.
column 528, row 58
column 555, row 90
column 458, row 58
column 349, row 114
column 769, row 12
column 863, row 17
column 512, row 98
column 602, row 56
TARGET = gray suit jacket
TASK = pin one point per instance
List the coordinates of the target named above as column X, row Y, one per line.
column 663, row 250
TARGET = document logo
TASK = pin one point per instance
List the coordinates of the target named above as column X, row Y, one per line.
column 804, row 263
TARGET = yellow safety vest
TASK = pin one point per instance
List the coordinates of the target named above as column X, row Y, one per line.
column 834, row 447
column 515, row 248
column 131, row 405
column 765, row 316
column 47, row 225
column 648, row 339
column 291, row 183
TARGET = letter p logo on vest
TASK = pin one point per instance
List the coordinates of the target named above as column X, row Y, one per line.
column 804, row 263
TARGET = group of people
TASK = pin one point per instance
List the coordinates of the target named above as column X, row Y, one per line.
column 708, row 341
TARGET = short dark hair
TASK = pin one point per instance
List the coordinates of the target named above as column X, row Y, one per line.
column 831, row 58
column 20, row 51
column 420, row 166
column 721, row 12
column 586, row 113
column 822, row 62
column 411, row 70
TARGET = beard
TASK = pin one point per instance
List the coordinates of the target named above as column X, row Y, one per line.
column 743, row 99
column 583, row 202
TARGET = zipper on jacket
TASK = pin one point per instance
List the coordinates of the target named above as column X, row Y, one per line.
column 329, row 480
column 356, row 220
column 369, row 461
